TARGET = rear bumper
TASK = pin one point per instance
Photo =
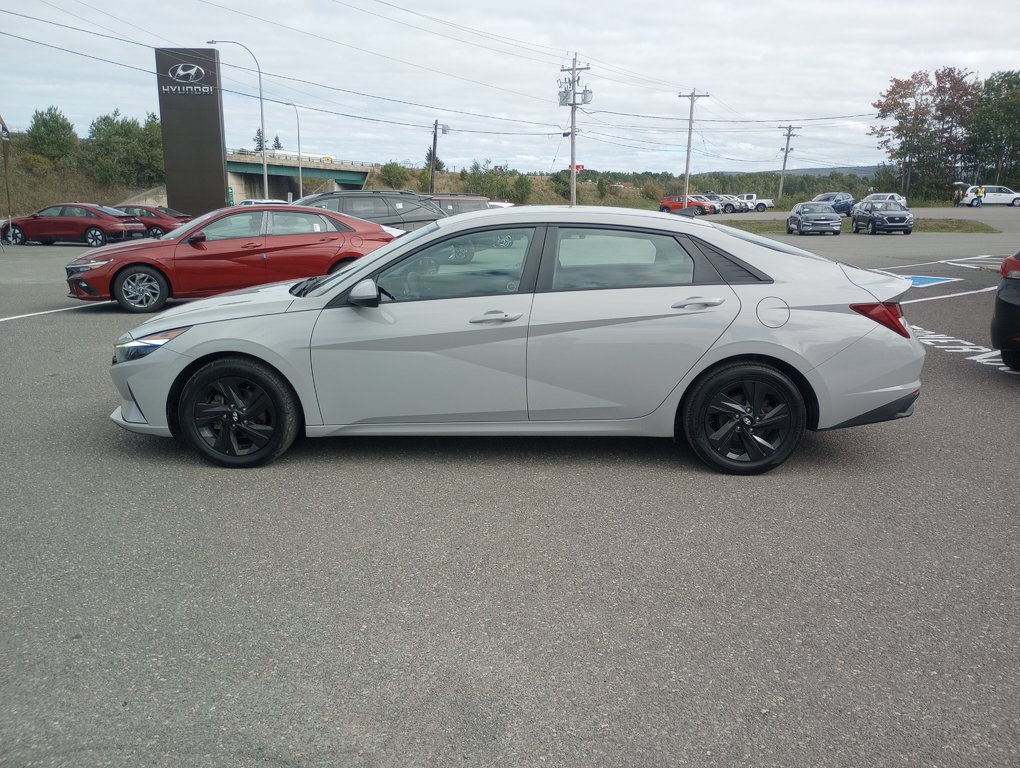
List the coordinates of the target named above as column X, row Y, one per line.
column 898, row 409
column 1006, row 315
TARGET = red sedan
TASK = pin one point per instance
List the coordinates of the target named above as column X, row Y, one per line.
column 158, row 219
column 86, row 223
column 221, row 251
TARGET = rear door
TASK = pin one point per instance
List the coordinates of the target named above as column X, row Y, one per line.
column 300, row 244
column 620, row 316
column 231, row 256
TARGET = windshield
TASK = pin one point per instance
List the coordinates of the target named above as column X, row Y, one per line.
column 371, row 258
column 113, row 211
column 889, row 205
column 817, row 208
column 194, row 224
column 169, row 211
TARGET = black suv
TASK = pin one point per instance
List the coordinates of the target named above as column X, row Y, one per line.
column 394, row 208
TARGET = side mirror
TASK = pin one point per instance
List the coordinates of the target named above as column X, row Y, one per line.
column 364, row 294
column 197, row 238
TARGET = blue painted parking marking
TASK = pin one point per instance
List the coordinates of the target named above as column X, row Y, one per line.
column 923, row 281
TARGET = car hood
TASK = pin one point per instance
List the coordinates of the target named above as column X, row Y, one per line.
column 116, row 250
column 270, row 299
column 884, row 286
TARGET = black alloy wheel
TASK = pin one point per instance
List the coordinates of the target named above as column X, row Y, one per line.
column 155, row 232
column 238, row 412
column 94, row 237
column 139, row 288
column 665, row 209
column 745, row 418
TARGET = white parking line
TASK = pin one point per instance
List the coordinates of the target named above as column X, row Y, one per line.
column 47, row 312
column 950, row 295
column 945, row 261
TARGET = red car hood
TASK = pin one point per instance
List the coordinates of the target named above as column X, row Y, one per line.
column 115, row 250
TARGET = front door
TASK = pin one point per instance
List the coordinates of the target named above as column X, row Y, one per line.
column 447, row 344
column 230, row 257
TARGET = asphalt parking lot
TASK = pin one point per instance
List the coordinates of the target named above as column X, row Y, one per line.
column 514, row 602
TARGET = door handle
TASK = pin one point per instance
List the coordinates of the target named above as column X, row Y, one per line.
column 327, row 239
column 496, row 316
column 249, row 246
column 696, row 301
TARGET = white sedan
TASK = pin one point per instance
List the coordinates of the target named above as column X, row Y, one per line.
column 535, row 321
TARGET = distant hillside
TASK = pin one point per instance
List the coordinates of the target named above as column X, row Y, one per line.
column 864, row 171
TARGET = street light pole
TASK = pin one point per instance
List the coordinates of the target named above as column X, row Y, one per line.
column 300, row 180
column 262, row 114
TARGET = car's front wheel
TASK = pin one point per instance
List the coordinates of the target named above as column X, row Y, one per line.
column 94, row 237
column 744, row 418
column 907, row 231
column 871, row 228
column 139, row 288
column 238, row 412
column 664, row 209
column 16, row 236
column 853, row 226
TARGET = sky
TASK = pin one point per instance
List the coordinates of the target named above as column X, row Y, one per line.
column 369, row 78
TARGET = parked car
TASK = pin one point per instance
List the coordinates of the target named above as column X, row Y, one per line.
column 395, row 208
column 262, row 201
column 876, row 196
column 813, row 217
column 222, row 251
column 1006, row 314
column 158, row 219
column 841, row 202
column 882, row 216
column 671, row 203
column 756, row 203
column 453, row 203
column 994, row 195
column 87, row 223
column 590, row 321
column 733, row 204
column 712, row 206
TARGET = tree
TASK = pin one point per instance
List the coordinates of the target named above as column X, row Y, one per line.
column 393, row 175
column 258, row 140
column 277, row 144
column 929, row 118
column 994, row 142
column 122, row 151
column 520, row 189
column 52, row 136
column 440, row 165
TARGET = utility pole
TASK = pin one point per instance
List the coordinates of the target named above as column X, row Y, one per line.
column 690, row 133
column 432, row 160
column 786, row 153
column 568, row 97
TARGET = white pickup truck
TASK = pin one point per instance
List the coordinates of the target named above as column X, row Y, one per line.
column 755, row 203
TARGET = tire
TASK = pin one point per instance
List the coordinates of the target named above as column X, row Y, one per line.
column 16, row 236
column 871, row 228
column 1011, row 358
column 237, row 412
column 47, row 242
column 155, row 232
column 800, row 230
column 698, row 211
column 665, row 209
column 744, row 418
column 838, row 232
column 1016, row 202
column 728, row 208
column 853, row 227
column 139, row 288
column 94, row 237
column 760, row 207
column 973, row 203
column 789, row 229
column 907, row 231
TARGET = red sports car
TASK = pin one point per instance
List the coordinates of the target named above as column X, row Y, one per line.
column 222, row 251
column 89, row 223
column 158, row 219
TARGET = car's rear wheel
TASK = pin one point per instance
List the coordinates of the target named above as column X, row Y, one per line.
column 744, row 418
column 139, row 288
column 1011, row 358
column 238, row 412
column 155, row 232
column 94, row 237
column 665, row 209
column 16, row 236
column 728, row 208
column 698, row 210
column 760, row 207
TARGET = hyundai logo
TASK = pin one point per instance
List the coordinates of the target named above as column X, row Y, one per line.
column 186, row 73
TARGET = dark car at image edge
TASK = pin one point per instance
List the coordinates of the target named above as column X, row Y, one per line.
column 1005, row 328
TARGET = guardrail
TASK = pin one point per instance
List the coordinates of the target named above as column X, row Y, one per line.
column 278, row 154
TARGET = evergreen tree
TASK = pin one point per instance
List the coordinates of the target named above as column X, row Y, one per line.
column 277, row 144
column 258, row 140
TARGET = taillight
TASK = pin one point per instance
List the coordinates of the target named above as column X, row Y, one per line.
column 887, row 313
column 1011, row 267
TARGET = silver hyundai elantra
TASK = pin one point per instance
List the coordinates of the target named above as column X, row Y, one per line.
column 535, row 321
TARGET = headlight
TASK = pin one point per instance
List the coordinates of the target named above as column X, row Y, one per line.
column 135, row 349
column 77, row 269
